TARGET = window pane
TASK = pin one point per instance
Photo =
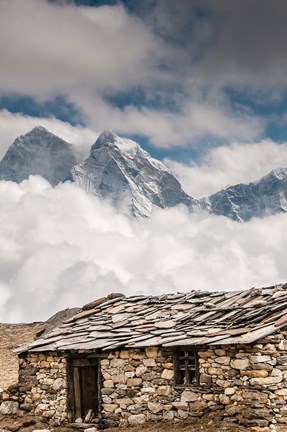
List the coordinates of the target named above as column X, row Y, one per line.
column 185, row 364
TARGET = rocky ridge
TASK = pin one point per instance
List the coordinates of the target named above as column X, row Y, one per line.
column 119, row 170
column 243, row 202
column 39, row 152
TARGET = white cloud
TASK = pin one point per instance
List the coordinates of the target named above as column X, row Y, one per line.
column 87, row 53
column 61, row 247
column 14, row 125
column 229, row 165
column 168, row 129
column 56, row 48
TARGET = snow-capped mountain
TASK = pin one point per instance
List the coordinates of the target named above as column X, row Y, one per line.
column 257, row 199
column 39, row 152
column 120, row 170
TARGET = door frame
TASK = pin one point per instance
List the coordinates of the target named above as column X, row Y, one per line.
column 89, row 360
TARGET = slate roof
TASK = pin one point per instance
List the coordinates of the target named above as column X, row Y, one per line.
column 186, row 319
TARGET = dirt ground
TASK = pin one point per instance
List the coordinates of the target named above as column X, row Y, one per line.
column 204, row 425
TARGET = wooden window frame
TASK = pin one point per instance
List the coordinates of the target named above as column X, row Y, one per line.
column 191, row 363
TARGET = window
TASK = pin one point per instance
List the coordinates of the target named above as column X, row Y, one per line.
column 186, row 367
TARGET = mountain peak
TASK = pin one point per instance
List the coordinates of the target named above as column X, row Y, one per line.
column 120, row 170
column 106, row 138
column 109, row 139
column 38, row 130
column 38, row 152
column 280, row 173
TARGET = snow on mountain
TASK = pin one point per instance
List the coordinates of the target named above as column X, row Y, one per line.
column 39, row 152
column 243, row 202
column 120, row 170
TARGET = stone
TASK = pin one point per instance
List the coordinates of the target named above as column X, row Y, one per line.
column 92, row 429
column 213, row 371
column 110, row 407
column 223, row 383
column 208, row 397
column 125, row 354
column 224, row 360
column 225, row 400
column 198, row 406
column 260, row 358
column 182, row 414
column 148, row 390
column 131, row 382
column 232, row 410
column 9, row 407
column 155, row 407
column 276, row 372
column 168, row 365
column 59, row 384
column 151, row 352
column 180, row 405
column 124, row 402
column 149, row 362
column 136, row 419
column 220, row 352
column 168, row 415
column 119, row 378
column 283, row 345
column 140, row 370
column 255, row 373
column 255, row 396
column 281, row 392
column 167, row 374
column 229, row 391
column 188, row 396
column 108, row 384
column 260, row 429
column 205, row 379
column 265, row 381
column 205, row 354
column 5, row 396
column 164, row 390
column 239, row 363
column 117, row 363
column 137, row 356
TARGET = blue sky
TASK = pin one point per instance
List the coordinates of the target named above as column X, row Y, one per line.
column 180, row 77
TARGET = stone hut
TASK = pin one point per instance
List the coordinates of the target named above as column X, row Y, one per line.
column 128, row 360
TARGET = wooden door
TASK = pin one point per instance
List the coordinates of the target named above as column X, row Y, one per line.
column 84, row 388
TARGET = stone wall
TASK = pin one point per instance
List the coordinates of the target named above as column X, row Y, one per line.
column 42, row 386
column 13, row 335
column 244, row 384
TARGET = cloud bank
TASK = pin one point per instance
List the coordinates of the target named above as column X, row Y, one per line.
column 61, row 247
column 228, row 165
